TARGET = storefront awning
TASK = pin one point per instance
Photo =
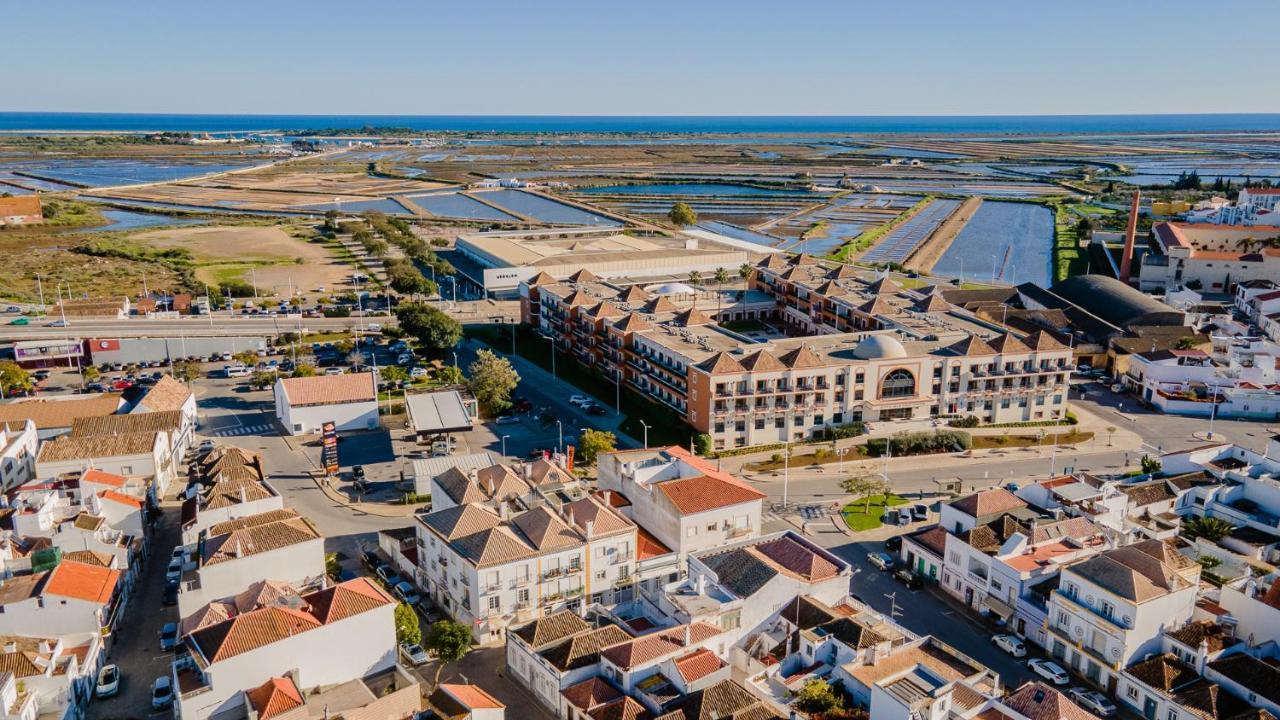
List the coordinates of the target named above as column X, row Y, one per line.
column 998, row 606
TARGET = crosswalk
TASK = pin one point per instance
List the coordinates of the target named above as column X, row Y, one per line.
column 241, row 430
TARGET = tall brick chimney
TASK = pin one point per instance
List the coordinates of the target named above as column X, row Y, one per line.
column 1129, row 234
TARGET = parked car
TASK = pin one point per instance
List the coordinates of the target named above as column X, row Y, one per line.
column 417, row 373
column 908, row 578
column 920, row 511
column 1049, row 670
column 506, row 420
column 169, row 636
column 414, row 653
column 59, row 324
column 122, row 384
column 357, row 473
column 20, row 321
column 174, row 572
column 597, row 410
column 333, row 371
column 1093, row 701
column 171, row 594
column 108, row 681
column 388, row 575
column 95, row 387
column 1010, row 644
column 161, row 693
column 406, row 592
column 374, row 327
column 521, row 404
column 881, row 560
column 579, row 400
column 13, row 309
column 893, row 543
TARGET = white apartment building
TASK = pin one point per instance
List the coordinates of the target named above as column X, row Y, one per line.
column 170, row 395
column 52, row 672
column 227, row 484
column 489, row 572
column 278, row 545
column 230, row 658
column 1110, row 609
column 683, row 500
column 19, row 442
column 137, row 453
column 1241, row 374
column 561, row 650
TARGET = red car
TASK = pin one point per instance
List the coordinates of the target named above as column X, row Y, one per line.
column 121, row 385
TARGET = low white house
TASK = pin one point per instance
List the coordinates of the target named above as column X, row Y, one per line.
column 277, row 545
column 136, row 453
column 73, row 597
column 305, row 404
column 334, row 635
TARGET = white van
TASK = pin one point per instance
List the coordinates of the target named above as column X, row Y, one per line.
column 235, row 371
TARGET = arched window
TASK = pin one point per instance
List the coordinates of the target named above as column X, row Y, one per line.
column 899, row 383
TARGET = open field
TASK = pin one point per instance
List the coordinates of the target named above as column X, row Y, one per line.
column 224, row 253
column 51, row 257
column 329, row 183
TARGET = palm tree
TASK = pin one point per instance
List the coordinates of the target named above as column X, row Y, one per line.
column 744, row 271
column 721, row 277
column 695, row 277
column 1110, row 429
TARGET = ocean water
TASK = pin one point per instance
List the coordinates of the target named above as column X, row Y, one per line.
column 997, row 124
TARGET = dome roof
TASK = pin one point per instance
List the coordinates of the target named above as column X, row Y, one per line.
column 879, row 346
column 670, row 288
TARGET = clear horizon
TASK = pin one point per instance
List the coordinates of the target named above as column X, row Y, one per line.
column 662, row 59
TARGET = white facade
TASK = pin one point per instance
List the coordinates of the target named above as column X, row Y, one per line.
column 299, row 565
column 18, row 444
column 157, row 464
column 367, row 643
column 54, row 615
column 308, row 419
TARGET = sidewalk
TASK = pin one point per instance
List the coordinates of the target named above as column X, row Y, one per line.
column 1120, row 441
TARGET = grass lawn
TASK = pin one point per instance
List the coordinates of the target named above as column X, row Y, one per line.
column 859, row 520
column 744, row 325
column 986, row 442
column 799, row 461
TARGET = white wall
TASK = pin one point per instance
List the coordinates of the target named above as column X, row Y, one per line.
column 18, row 455
column 309, row 419
column 59, row 616
column 293, row 564
column 367, row 642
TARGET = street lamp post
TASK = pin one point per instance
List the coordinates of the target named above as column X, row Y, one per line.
column 840, row 453
column 1213, row 408
column 646, row 432
column 559, row 436
column 504, row 445
column 786, row 471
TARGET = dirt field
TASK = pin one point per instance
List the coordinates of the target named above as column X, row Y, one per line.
column 27, row 256
column 270, row 253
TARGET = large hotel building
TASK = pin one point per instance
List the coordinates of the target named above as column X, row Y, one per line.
column 807, row 346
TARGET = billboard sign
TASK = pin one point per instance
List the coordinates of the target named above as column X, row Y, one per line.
column 329, row 448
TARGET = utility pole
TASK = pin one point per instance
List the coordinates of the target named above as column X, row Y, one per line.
column 40, row 289
column 786, row 471
column 646, row 432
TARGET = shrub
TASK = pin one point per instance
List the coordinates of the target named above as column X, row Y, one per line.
column 921, row 443
column 968, row 421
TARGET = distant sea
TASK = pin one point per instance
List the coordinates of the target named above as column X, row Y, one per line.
column 991, row 124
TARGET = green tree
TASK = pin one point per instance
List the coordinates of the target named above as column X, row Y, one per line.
column 695, row 277
column 862, row 486
column 816, row 696
column 246, row 357
column 393, row 374
column 185, row 371
column 702, row 444
column 1185, row 343
column 449, row 642
column 450, row 375
column 1210, row 528
column 432, row 328
column 721, row 277
column 744, row 271
column 492, row 381
column 92, row 373
column 305, row 370
column 13, row 379
column 262, row 380
column 407, row 628
column 682, row 215
column 1150, row 465
column 593, row 442
column 331, row 566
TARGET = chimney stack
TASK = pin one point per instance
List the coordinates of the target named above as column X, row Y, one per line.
column 1129, row 236
column 687, row 636
column 590, row 525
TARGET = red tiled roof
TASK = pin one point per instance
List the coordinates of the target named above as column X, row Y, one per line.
column 623, row 708
column 82, row 582
column 697, row 665
column 472, row 696
column 121, row 498
column 591, row 693
column 274, row 697
column 99, row 477
column 648, row 546
column 798, row 559
column 645, row 649
column 703, row 492
column 329, row 389
column 988, row 502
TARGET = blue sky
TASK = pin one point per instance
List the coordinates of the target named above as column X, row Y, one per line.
column 749, row 57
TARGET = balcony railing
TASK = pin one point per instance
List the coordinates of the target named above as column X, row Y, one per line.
column 1075, row 601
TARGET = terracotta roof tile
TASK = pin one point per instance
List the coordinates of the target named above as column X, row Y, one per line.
column 591, row 693
column 168, row 420
column 67, row 447
column 100, row 477
column 329, row 389
column 121, row 499
column 90, row 557
column 167, row 394
column 274, row 697
column 495, row 546
column 797, row 558
column 762, row 361
column 545, row 530
column 646, row 649
column 988, row 502
column 583, row 649
column 1038, row 701
column 697, row 665
column 552, row 628
column 82, row 581
column 49, row 414
column 624, row 708
column 460, row 521
column 472, row 695
column 257, row 534
column 703, row 493
column 604, row 521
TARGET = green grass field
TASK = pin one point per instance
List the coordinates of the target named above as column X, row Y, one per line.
column 861, row 516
